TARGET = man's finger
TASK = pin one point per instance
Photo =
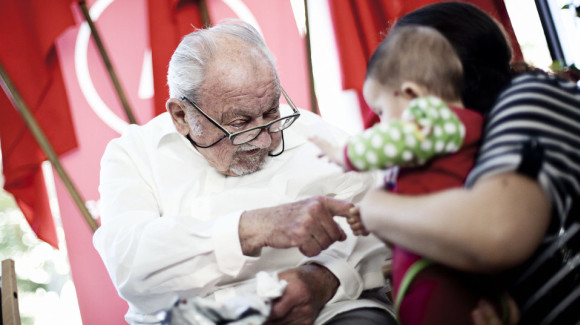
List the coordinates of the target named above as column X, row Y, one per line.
column 337, row 207
column 342, row 234
column 325, row 229
column 280, row 308
column 332, row 230
column 323, row 238
column 310, row 248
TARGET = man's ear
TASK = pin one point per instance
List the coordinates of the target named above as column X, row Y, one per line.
column 412, row 90
column 177, row 111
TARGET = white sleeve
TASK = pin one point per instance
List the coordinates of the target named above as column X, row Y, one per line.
column 151, row 259
column 356, row 262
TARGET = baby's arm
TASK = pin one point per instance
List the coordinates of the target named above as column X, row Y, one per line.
column 334, row 152
column 360, row 154
column 428, row 128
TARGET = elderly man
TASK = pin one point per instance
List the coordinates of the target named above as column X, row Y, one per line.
column 201, row 198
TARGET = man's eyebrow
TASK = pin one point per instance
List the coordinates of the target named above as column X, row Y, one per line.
column 275, row 100
column 237, row 112
column 245, row 112
column 274, row 103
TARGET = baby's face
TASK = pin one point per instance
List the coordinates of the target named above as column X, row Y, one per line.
column 383, row 100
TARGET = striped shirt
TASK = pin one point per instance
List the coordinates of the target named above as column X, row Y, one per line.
column 534, row 129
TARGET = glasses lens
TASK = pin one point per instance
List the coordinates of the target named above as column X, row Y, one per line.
column 282, row 124
column 246, row 136
column 249, row 135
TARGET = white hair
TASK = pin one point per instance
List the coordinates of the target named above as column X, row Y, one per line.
column 194, row 52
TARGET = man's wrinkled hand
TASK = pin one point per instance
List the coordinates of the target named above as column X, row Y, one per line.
column 306, row 224
column 309, row 288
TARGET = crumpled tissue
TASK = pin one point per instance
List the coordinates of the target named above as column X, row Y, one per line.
column 249, row 307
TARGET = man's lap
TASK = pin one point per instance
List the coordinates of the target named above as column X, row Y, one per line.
column 363, row 316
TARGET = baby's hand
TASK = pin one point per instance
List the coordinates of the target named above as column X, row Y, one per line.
column 334, row 153
column 355, row 222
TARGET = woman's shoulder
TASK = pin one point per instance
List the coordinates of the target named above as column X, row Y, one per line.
column 539, row 92
column 534, row 82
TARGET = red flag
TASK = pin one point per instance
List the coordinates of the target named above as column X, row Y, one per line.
column 28, row 30
column 360, row 26
column 169, row 21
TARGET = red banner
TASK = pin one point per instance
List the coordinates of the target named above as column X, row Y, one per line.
column 169, row 21
column 28, row 54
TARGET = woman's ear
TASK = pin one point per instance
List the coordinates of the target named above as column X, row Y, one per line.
column 412, row 90
column 177, row 111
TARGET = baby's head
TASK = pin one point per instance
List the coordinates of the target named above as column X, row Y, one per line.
column 411, row 62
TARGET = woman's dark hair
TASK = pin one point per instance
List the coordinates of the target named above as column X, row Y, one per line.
column 480, row 43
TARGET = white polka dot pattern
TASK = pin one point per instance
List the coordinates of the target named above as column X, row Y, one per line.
column 428, row 128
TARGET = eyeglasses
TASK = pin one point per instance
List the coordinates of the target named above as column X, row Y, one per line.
column 245, row 136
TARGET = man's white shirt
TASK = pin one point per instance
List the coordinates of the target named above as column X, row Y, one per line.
column 169, row 221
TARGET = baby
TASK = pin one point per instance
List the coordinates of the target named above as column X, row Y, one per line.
column 428, row 141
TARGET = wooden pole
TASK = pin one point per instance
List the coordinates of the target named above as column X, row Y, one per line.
column 313, row 99
column 10, row 310
column 45, row 145
column 108, row 64
column 205, row 19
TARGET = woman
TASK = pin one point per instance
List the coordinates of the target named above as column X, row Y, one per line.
column 517, row 215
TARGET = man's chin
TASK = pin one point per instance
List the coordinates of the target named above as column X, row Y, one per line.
column 244, row 165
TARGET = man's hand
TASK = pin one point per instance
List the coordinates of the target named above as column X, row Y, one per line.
column 309, row 288
column 306, row 224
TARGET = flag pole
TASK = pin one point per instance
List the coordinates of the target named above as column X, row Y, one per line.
column 45, row 145
column 205, row 19
column 313, row 100
column 108, row 63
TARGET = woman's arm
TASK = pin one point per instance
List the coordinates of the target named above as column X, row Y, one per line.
column 495, row 225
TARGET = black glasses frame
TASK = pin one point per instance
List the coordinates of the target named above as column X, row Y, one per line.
column 295, row 115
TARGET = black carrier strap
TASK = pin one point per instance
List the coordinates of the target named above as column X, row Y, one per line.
column 532, row 158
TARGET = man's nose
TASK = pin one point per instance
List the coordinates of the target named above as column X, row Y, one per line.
column 263, row 140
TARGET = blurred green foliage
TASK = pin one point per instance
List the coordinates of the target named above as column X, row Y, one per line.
column 572, row 5
column 12, row 244
column 570, row 72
